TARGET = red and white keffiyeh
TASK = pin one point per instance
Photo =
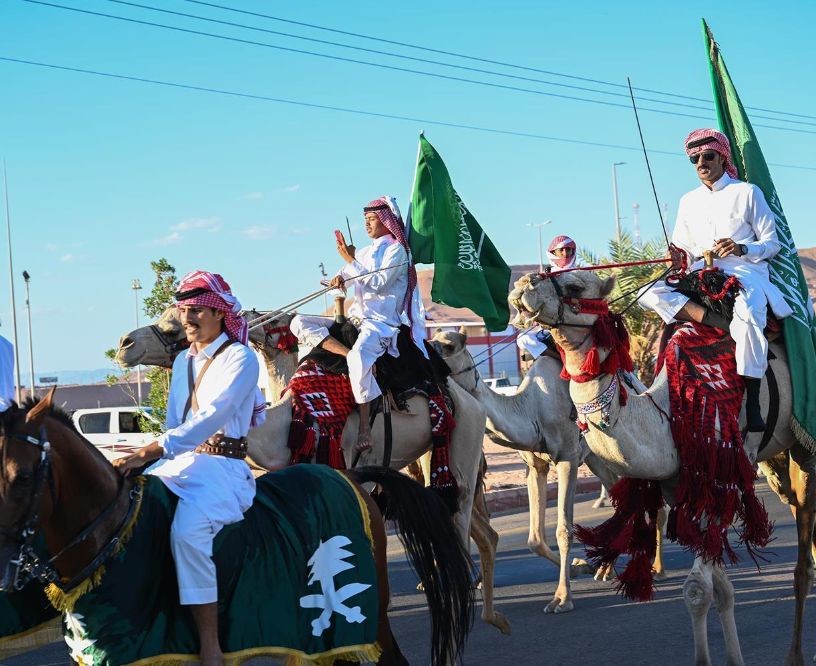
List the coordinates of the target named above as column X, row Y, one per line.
column 710, row 139
column 562, row 262
column 210, row 290
column 385, row 208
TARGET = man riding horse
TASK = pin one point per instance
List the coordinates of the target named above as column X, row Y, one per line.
column 384, row 298
column 732, row 218
column 213, row 400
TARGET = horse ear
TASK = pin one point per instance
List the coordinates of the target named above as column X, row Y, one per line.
column 607, row 286
column 37, row 413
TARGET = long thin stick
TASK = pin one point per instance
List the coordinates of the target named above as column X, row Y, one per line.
column 260, row 321
column 648, row 166
column 348, row 226
column 11, row 287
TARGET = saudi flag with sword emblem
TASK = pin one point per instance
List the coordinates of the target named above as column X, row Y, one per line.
column 468, row 270
column 785, row 269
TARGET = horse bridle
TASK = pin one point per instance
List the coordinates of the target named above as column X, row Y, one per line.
column 27, row 565
column 171, row 347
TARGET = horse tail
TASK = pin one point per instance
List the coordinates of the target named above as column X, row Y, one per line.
column 435, row 552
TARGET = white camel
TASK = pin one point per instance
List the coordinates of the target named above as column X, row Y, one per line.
column 536, row 421
column 639, row 444
column 156, row 344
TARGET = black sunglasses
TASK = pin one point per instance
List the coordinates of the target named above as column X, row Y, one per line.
column 708, row 156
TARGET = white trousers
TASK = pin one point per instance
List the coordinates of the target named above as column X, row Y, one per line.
column 375, row 339
column 747, row 327
column 191, row 540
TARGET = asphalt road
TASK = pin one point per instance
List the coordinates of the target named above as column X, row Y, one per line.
column 603, row 628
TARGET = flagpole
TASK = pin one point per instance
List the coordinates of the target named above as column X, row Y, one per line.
column 11, row 288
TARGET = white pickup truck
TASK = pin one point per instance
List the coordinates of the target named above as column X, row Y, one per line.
column 501, row 385
column 114, row 431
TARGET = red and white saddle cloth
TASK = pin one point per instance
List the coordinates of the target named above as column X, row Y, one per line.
column 323, row 401
column 715, row 488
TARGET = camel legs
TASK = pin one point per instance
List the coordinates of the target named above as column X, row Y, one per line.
column 658, row 570
column 803, row 486
column 567, row 480
column 537, row 498
column 707, row 583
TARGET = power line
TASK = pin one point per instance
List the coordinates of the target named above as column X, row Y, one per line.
column 477, row 58
column 388, row 67
column 426, row 60
column 359, row 112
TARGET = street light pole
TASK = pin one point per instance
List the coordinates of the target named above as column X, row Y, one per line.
column 325, row 275
column 615, row 195
column 538, row 225
column 27, row 279
column 11, row 288
column 136, row 285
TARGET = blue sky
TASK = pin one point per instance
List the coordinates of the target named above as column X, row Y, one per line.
column 106, row 175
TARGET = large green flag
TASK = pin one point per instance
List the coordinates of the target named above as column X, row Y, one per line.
column 786, row 271
column 468, row 270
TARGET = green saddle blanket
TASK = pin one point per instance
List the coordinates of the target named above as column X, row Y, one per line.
column 296, row 578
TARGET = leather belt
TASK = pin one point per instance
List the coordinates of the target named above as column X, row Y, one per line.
column 221, row 445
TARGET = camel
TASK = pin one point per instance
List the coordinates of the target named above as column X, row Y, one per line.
column 638, row 443
column 536, row 422
column 157, row 344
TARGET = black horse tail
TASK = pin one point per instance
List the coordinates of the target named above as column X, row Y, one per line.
column 435, row 552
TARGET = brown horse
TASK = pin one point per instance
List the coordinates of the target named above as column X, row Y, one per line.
column 52, row 480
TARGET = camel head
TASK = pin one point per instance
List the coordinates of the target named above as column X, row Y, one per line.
column 548, row 299
column 452, row 347
column 267, row 337
column 156, row 344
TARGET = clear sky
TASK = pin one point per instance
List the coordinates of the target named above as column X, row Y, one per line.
column 107, row 174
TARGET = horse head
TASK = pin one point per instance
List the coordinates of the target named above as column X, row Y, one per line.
column 24, row 471
column 155, row 344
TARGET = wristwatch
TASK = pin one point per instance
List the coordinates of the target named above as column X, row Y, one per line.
column 743, row 248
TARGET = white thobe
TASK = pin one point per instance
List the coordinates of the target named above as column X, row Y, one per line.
column 736, row 210
column 213, row 491
column 6, row 374
column 378, row 305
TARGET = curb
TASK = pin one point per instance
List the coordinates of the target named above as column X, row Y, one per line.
column 516, row 497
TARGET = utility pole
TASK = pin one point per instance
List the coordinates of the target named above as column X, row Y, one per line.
column 538, row 226
column 136, row 285
column 27, row 279
column 636, row 223
column 324, row 275
column 11, row 288
column 615, row 195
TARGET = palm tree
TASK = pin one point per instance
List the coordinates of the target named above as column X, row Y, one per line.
column 644, row 326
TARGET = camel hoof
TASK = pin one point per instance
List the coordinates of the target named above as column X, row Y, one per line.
column 500, row 622
column 420, row 587
column 604, row 573
column 580, row 567
column 558, row 606
column 659, row 575
column 601, row 503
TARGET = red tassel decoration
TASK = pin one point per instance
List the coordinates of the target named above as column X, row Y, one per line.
column 592, row 363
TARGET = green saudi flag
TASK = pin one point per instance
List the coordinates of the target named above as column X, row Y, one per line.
column 468, row 270
column 786, row 271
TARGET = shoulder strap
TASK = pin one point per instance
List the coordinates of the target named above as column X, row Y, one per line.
column 192, row 386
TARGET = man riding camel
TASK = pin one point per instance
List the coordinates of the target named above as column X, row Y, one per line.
column 733, row 219
column 383, row 300
column 562, row 254
column 213, row 400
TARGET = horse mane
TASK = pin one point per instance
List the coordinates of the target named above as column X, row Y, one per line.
column 56, row 412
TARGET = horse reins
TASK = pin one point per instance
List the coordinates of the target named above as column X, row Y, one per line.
column 28, row 565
